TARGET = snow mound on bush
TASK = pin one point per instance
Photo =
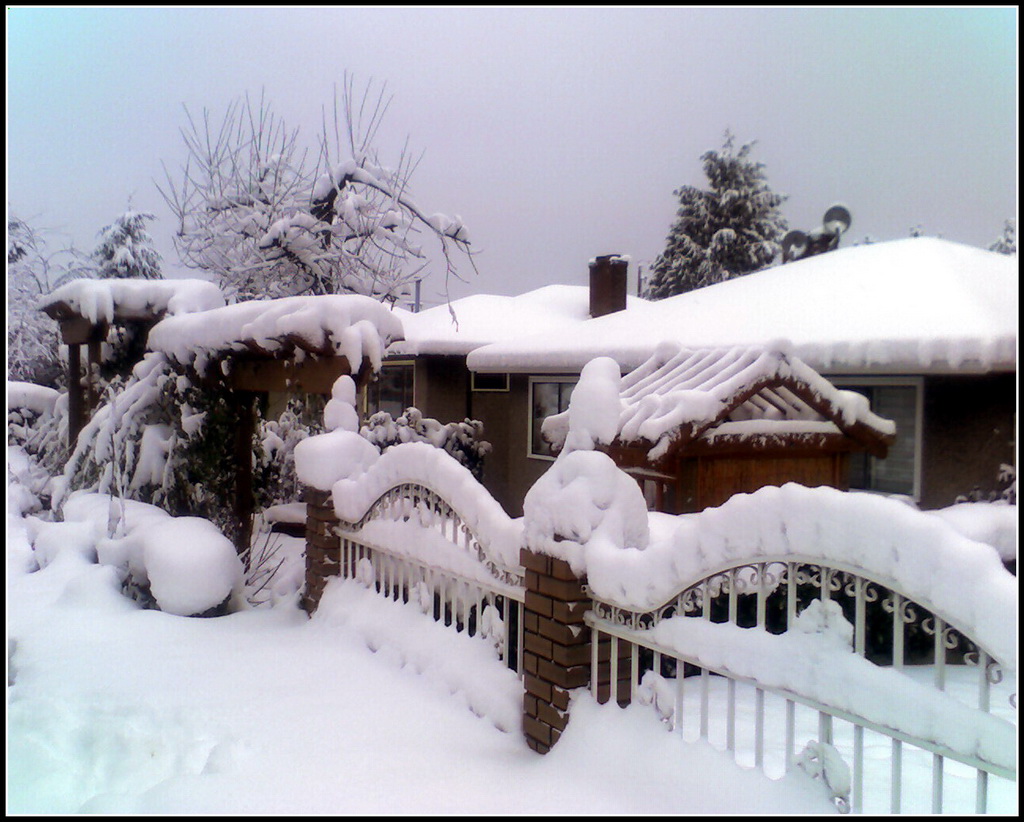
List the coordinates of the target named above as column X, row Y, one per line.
column 189, row 565
column 192, row 566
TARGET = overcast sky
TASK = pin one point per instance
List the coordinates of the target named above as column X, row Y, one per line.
column 556, row 134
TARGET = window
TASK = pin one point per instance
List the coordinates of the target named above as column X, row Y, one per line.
column 548, row 395
column 392, row 391
column 489, row 382
column 899, row 472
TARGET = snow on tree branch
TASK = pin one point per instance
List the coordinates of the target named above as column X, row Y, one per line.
column 254, row 214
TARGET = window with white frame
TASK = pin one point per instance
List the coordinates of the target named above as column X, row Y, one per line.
column 548, row 396
column 899, row 472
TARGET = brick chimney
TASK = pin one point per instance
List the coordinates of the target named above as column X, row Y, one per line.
column 607, row 285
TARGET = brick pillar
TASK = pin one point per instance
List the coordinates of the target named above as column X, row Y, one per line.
column 323, row 546
column 556, row 647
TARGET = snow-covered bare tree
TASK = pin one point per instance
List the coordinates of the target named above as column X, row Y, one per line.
column 261, row 217
column 33, row 271
column 731, row 229
column 1007, row 242
column 126, row 249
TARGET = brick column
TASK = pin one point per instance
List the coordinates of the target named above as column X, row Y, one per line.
column 323, row 546
column 556, row 647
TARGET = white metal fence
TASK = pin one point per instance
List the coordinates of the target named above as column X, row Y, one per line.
column 413, row 546
column 688, row 660
column 786, row 661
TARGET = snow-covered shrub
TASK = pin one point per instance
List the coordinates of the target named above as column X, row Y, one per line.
column 180, row 565
column 463, row 440
column 274, row 476
column 28, row 406
column 163, row 439
column 1006, row 488
column 192, row 567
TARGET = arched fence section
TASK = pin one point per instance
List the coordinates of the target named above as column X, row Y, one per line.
column 847, row 635
column 835, row 671
column 413, row 545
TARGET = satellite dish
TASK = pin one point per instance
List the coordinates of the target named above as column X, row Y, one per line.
column 794, row 245
column 837, row 219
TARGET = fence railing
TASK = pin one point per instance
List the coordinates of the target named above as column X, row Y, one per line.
column 730, row 645
column 413, row 546
column 786, row 658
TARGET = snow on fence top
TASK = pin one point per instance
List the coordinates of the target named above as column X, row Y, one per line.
column 109, row 300
column 347, row 465
column 679, row 393
column 422, row 464
column 916, row 305
column 640, row 561
column 340, row 325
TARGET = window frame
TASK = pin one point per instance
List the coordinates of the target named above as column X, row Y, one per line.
column 534, row 380
column 849, row 383
column 476, row 389
column 404, row 363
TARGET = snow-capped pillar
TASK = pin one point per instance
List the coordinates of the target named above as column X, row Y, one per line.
column 556, row 646
column 323, row 546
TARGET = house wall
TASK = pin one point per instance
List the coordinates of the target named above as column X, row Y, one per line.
column 969, row 430
column 508, row 470
column 441, row 388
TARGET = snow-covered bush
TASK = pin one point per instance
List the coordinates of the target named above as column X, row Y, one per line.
column 192, row 568
column 274, row 477
column 161, row 438
column 34, row 270
column 463, row 440
column 28, row 406
column 180, row 565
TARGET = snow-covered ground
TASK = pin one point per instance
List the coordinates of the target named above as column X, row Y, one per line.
column 367, row 708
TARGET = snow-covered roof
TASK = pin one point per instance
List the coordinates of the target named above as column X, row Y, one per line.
column 918, row 305
column 482, row 319
column 112, row 299
column 339, row 325
column 680, row 394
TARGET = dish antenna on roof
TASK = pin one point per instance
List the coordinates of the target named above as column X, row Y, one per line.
column 837, row 219
column 797, row 245
column 794, row 245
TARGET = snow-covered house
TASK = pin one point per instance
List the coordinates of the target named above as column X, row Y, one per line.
column 694, row 427
column 98, row 313
column 925, row 328
column 427, row 368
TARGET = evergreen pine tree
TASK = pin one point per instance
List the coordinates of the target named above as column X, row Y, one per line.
column 126, row 249
column 732, row 229
column 1007, row 242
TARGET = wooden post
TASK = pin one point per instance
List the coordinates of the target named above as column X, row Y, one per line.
column 76, row 404
column 244, row 505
